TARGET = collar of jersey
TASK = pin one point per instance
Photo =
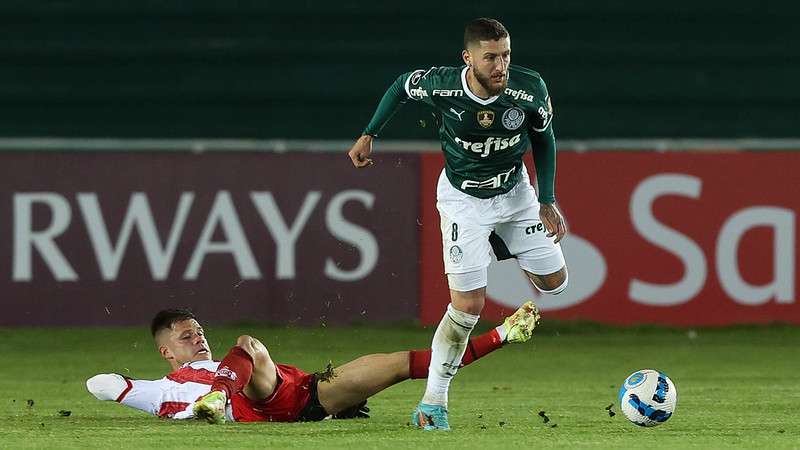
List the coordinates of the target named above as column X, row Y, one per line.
column 470, row 94
column 198, row 364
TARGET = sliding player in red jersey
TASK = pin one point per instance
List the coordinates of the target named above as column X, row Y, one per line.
column 248, row 386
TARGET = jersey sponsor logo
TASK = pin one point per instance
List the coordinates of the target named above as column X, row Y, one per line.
column 519, row 94
column 490, row 144
column 486, row 118
column 448, row 92
column 513, row 118
column 417, row 93
column 534, row 228
column 545, row 114
column 491, row 183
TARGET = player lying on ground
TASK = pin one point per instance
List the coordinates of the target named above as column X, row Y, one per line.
column 248, row 386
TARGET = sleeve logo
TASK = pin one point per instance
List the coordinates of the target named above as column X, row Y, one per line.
column 415, row 93
column 545, row 114
column 416, row 76
column 418, row 93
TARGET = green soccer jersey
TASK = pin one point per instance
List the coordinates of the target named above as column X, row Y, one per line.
column 483, row 139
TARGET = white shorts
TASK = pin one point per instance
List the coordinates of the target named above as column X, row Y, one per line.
column 508, row 223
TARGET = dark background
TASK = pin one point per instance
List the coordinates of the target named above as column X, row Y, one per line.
column 311, row 70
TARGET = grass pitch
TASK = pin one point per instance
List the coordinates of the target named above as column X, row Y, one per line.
column 736, row 388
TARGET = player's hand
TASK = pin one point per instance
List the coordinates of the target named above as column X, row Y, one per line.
column 359, row 154
column 553, row 221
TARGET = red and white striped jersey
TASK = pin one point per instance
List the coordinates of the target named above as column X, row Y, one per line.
column 172, row 396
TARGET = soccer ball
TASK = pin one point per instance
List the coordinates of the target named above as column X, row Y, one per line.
column 648, row 398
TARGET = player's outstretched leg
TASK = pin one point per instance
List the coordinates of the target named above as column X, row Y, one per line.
column 364, row 377
column 516, row 328
column 447, row 348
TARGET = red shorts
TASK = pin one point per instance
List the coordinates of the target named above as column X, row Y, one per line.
column 284, row 405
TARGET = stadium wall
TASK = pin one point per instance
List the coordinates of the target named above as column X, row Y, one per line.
column 108, row 235
column 316, row 70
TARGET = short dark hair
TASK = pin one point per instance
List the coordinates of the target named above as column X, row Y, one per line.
column 166, row 318
column 483, row 29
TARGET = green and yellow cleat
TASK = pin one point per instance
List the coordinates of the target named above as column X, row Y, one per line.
column 520, row 325
column 211, row 407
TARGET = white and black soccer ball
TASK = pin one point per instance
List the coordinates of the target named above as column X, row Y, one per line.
column 648, row 398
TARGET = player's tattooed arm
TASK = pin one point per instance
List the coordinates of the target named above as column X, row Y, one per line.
column 553, row 220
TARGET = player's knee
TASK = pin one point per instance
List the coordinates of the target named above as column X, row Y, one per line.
column 556, row 290
column 244, row 341
column 253, row 347
column 553, row 284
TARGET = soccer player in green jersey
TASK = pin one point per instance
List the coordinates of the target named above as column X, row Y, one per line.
column 489, row 113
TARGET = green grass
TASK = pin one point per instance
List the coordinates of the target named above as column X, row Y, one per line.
column 736, row 388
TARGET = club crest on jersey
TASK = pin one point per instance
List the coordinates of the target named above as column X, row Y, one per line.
column 513, row 118
column 456, row 254
column 485, row 118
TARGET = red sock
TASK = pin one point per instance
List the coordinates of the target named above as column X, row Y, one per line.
column 233, row 372
column 477, row 347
